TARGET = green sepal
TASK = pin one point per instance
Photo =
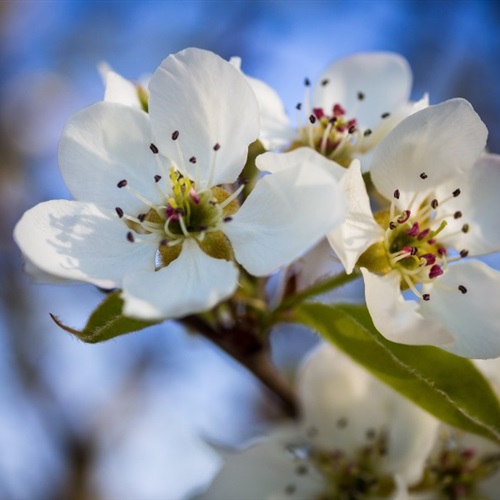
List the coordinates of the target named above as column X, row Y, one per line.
column 449, row 387
column 106, row 322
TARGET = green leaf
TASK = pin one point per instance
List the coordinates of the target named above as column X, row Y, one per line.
column 106, row 322
column 447, row 386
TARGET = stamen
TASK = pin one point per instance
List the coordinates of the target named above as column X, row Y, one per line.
column 130, row 237
column 465, row 228
column 227, row 219
column 216, row 147
column 385, row 115
column 414, row 230
column 312, row 118
column 141, row 217
column 175, row 135
column 403, row 217
column 367, row 132
column 361, row 96
column 429, row 258
column 307, row 82
column 229, row 199
column 392, row 225
column 423, row 175
column 157, row 178
column 352, row 129
column 122, row 183
column 119, row 211
column 192, row 159
column 457, row 214
column 396, row 194
column 324, row 82
column 435, row 271
column 434, row 203
column 426, row 297
column 462, row 289
column 456, row 193
column 154, row 149
column 298, row 107
column 464, row 253
column 423, row 234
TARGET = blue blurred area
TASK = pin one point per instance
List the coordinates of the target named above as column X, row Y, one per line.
column 124, row 419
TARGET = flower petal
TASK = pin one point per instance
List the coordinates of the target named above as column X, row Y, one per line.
column 286, row 214
column 119, row 89
column 398, row 319
column 359, row 230
column 473, row 318
column 192, row 283
column 383, row 77
column 348, row 407
column 207, row 101
column 78, row 241
column 478, row 204
column 265, row 471
column 102, row 145
column 443, row 141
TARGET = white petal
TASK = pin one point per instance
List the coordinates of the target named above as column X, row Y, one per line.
column 384, row 78
column 78, row 241
column 207, row 101
column 472, row 318
column 278, row 162
column 345, row 404
column 40, row 276
column 398, row 319
column 479, row 205
column 359, row 229
column 286, row 214
column 192, row 283
column 102, row 145
column 443, row 141
column 265, row 471
column 119, row 89
column 275, row 128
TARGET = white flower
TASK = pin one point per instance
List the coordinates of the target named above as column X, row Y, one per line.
column 443, row 209
column 354, row 104
column 357, row 439
column 155, row 214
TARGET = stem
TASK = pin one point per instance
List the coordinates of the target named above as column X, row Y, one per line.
column 251, row 352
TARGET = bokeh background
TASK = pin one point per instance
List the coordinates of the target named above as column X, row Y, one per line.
column 131, row 419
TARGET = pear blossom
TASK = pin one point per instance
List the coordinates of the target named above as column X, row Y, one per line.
column 421, row 287
column 357, row 438
column 356, row 101
column 156, row 210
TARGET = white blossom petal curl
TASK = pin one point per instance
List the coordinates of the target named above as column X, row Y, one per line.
column 384, row 78
column 199, row 101
column 443, row 141
column 287, row 213
column 102, row 145
column 193, row 282
column 400, row 320
column 118, row 89
column 79, row 241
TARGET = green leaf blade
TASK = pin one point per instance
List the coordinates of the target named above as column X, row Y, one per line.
column 447, row 386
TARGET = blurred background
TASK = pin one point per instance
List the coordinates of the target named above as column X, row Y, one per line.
column 131, row 418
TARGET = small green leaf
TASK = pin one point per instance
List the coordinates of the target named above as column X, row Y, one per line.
column 447, row 386
column 106, row 322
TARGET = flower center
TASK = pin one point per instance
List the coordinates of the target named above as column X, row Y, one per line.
column 414, row 242
column 333, row 133
column 182, row 212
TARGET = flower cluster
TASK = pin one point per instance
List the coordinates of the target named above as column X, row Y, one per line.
column 196, row 199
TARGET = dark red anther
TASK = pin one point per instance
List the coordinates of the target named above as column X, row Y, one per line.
column 119, row 211
column 392, row 225
column 456, row 193
column 442, row 251
column 423, row 175
column 298, row 107
column 465, row 228
column 403, row 217
column 464, row 253
column 423, row 234
column 360, row 96
column 216, row 147
column 192, row 159
column 414, row 230
column 426, row 297
column 435, row 271
column 396, row 194
column 462, row 289
column 163, row 242
column 325, row 82
column 175, row 135
column 227, row 219
column 154, row 149
column 457, row 214
column 434, row 203
column 141, row 217
column 430, row 259
column 122, row 183
column 385, row 115
column 130, row 237
column 352, row 129
column 307, row 82
column 157, row 178
column 338, row 110
column 318, row 113
column 367, row 132
column 312, row 118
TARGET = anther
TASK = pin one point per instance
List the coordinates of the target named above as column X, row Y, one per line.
column 192, row 159
column 465, row 228
column 456, row 193
column 227, row 219
column 332, row 120
column 367, row 132
column 392, row 225
column 175, row 135
column 396, row 194
column 163, row 242
column 352, row 129
column 312, row 118
column 423, row 234
column 403, row 217
column 457, row 214
column 157, row 178
column 122, row 183
column 130, row 237
column 119, row 211
column 429, row 258
column 423, row 175
column 216, row 147
column 462, row 289
column 426, row 296
column 154, row 149
column 307, row 82
column 464, row 253
column 385, row 115
column 141, row 217
column 361, row 96
column 414, row 230
column 324, row 82
column 434, row 203
column 435, row 271
column 298, row 107
column 441, row 251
